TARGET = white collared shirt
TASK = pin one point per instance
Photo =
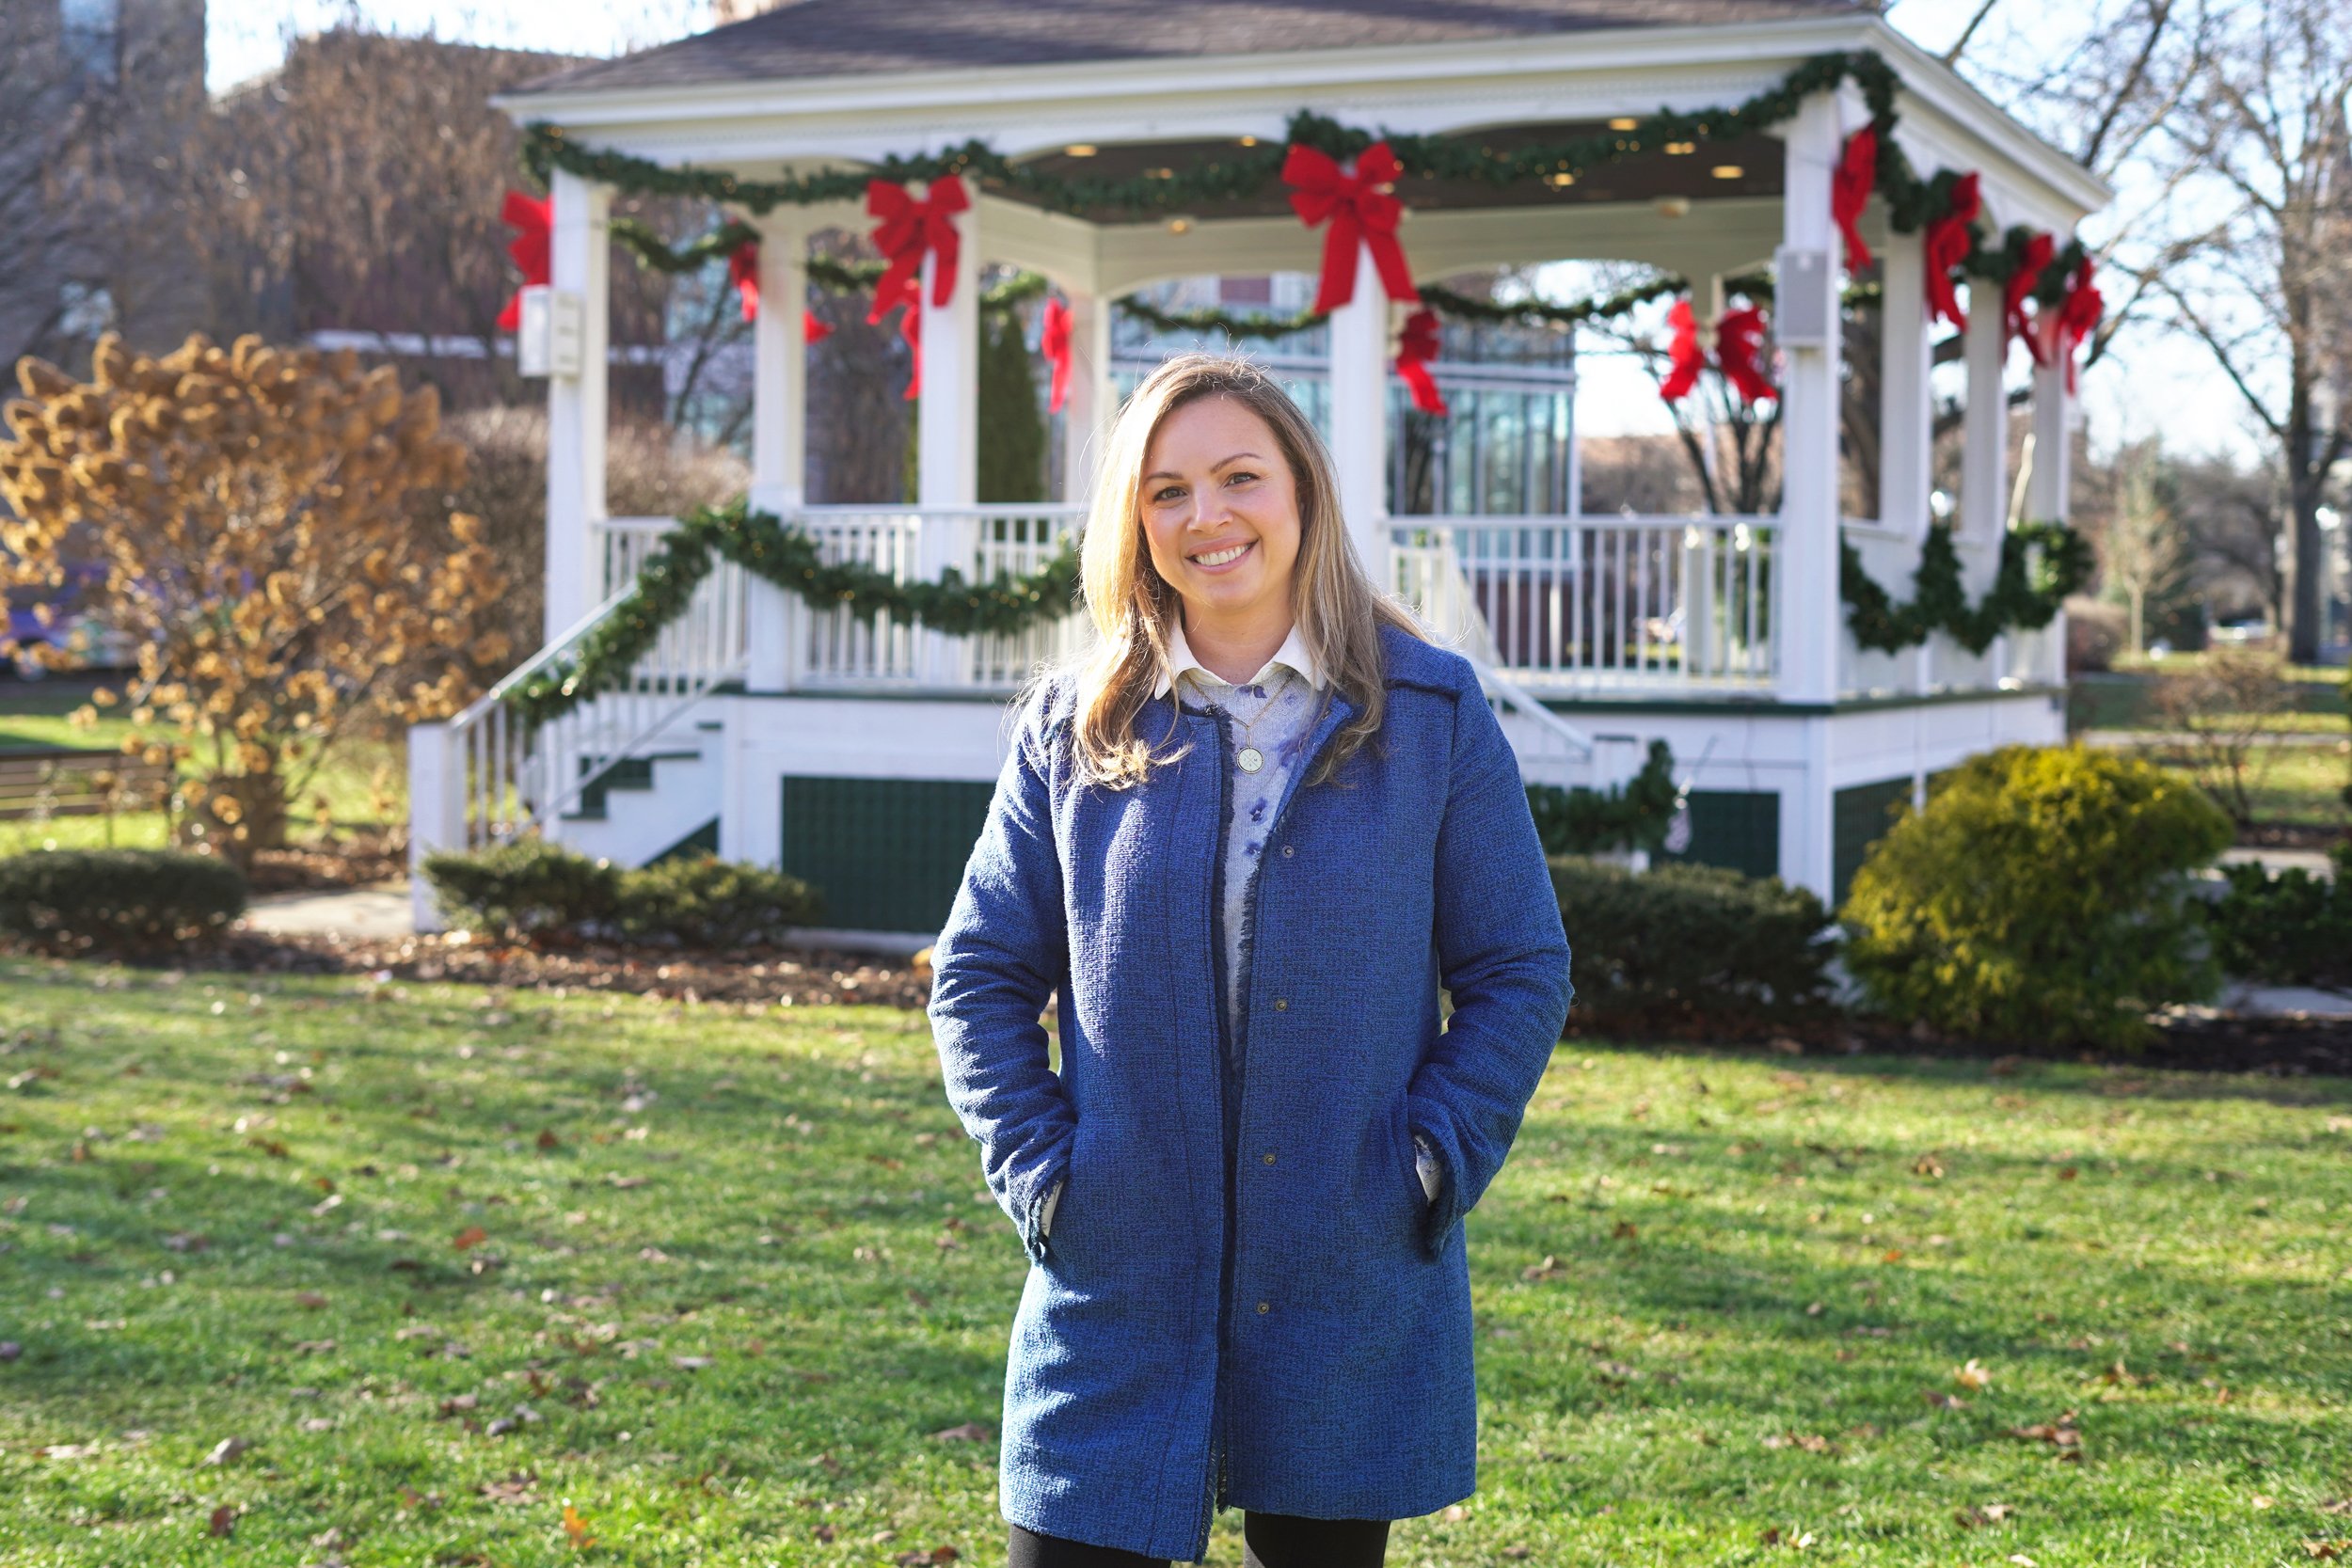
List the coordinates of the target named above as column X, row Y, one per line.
column 1293, row 652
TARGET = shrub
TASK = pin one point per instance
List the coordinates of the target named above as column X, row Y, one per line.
column 703, row 901
column 2294, row 928
column 2096, row 631
column 1689, row 944
column 2040, row 897
column 125, row 901
column 522, row 888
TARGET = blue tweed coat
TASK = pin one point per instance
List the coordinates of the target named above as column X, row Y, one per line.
column 1247, row 1299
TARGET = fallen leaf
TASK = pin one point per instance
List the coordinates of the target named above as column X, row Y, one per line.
column 576, row 1529
column 311, row 1299
column 226, row 1449
column 1972, row 1377
column 1454, row 1514
column 224, row 1523
column 970, row 1432
column 473, row 1235
column 1545, row 1270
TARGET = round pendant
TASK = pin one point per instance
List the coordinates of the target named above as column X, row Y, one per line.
column 1251, row 759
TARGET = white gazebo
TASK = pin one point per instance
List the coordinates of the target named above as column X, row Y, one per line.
column 860, row 752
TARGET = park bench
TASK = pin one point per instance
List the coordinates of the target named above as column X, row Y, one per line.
column 61, row 781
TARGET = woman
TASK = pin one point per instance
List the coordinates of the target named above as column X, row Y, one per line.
column 1244, row 845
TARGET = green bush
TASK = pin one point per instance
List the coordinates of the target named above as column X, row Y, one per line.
column 522, row 888
column 2292, row 929
column 2041, row 897
column 119, row 901
column 1689, row 944
column 703, row 901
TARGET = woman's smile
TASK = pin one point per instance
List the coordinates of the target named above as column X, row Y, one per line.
column 1221, row 559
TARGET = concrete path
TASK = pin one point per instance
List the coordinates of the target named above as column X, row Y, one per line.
column 380, row 910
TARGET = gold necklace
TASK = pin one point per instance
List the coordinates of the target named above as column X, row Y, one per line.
column 1250, row 759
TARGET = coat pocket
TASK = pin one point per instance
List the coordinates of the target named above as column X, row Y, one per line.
column 1416, row 1196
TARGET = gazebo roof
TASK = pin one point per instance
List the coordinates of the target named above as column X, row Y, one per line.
column 815, row 39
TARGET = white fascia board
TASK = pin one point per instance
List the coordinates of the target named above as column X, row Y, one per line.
column 812, row 122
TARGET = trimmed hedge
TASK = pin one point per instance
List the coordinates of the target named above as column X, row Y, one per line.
column 1690, row 944
column 2292, row 929
column 532, row 887
column 119, row 901
column 519, row 889
column 703, row 901
column 2041, row 897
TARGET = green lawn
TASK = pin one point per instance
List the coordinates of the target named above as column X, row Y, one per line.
column 736, row 1274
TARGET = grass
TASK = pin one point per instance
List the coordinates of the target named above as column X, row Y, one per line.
column 2125, row 702
column 33, row 714
column 2293, row 786
column 742, row 1272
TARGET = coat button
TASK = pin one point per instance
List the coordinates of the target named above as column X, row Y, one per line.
column 1286, row 851
column 1265, row 1307
column 1281, row 1004
column 1269, row 1156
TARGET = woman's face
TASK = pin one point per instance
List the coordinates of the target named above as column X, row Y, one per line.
column 1221, row 510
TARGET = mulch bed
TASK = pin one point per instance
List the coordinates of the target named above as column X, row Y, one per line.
column 2195, row 1039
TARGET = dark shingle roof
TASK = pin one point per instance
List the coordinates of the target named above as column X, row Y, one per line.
column 853, row 37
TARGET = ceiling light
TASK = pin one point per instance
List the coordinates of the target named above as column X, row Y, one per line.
column 1624, row 122
column 1561, row 181
column 1674, row 206
column 1680, row 147
column 1250, row 141
column 1159, row 174
column 1180, row 226
column 1079, row 149
column 1727, row 171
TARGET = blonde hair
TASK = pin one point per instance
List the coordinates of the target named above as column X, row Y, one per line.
column 1334, row 603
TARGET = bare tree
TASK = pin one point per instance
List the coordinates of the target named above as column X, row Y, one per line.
column 2141, row 549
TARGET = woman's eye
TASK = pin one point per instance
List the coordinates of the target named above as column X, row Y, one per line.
column 1241, row 477
column 1170, row 494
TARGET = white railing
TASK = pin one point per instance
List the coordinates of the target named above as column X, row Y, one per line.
column 1667, row 604
column 2017, row 657
column 839, row 648
column 514, row 773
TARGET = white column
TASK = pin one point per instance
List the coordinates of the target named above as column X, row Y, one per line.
column 2049, row 486
column 1360, row 415
column 1811, row 611
column 779, row 439
column 947, row 458
column 580, row 263
column 1984, row 448
column 1906, row 408
column 436, row 813
column 1089, row 409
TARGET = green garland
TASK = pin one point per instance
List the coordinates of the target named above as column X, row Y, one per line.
column 787, row 557
column 2022, row 594
column 1582, row 822
column 1246, row 172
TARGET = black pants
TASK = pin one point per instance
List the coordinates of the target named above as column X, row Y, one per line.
column 1274, row 1541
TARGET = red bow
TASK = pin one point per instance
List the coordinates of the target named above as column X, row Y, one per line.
column 1850, row 187
column 743, row 272
column 2077, row 314
column 1946, row 247
column 908, row 227
column 1683, row 353
column 1739, row 340
column 812, row 330
column 534, row 218
column 1361, row 211
column 1414, row 351
column 2019, row 288
column 1053, row 342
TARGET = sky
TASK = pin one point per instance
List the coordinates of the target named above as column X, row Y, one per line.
column 2153, row 382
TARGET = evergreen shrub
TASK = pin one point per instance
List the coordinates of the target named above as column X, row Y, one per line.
column 2041, row 897
column 520, row 889
column 2292, row 929
column 703, row 901
column 119, row 901
column 1686, row 944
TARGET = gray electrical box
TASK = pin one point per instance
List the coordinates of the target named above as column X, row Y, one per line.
column 1804, row 294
